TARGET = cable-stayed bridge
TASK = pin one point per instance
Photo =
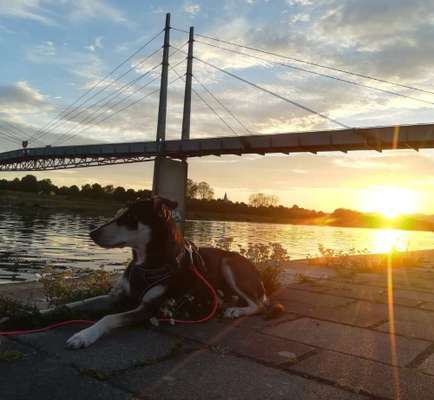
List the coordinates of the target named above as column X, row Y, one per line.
column 47, row 148
column 344, row 140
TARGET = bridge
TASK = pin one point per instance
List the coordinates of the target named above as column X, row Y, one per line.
column 170, row 156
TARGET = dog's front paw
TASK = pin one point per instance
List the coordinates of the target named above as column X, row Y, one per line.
column 232, row 313
column 83, row 338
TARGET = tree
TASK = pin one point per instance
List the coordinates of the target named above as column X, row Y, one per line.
column 263, row 200
column 205, row 191
column 29, row 183
column 191, row 189
column 46, row 186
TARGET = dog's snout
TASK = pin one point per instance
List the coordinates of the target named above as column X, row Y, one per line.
column 93, row 234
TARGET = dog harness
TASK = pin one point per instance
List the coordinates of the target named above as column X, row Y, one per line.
column 141, row 279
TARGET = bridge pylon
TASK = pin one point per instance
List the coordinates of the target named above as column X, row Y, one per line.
column 170, row 175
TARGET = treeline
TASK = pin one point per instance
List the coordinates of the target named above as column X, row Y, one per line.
column 202, row 205
column 31, row 184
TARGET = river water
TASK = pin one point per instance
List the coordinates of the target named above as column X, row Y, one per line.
column 33, row 239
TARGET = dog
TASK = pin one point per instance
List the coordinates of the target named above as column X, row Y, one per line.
column 160, row 267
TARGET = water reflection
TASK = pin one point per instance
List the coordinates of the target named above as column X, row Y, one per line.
column 33, row 239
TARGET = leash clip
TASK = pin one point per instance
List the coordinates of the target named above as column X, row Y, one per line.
column 189, row 249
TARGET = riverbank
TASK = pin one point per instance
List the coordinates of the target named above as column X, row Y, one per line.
column 319, row 268
column 333, row 341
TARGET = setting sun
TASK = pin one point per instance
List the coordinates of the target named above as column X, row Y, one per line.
column 389, row 201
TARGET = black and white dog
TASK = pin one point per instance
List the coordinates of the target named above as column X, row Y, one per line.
column 160, row 267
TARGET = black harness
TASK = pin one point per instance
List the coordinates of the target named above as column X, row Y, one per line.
column 142, row 278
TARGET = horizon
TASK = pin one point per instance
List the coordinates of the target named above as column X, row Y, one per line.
column 48, row 67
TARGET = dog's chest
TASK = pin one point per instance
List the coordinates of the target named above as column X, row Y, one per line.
column 142, row 279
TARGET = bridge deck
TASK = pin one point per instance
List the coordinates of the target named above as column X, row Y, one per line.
column 377, row 138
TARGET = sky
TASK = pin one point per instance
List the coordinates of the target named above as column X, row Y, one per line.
column 55, row 51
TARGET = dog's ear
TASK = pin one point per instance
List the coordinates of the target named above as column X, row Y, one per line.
column 162, row 201
column 164, row 207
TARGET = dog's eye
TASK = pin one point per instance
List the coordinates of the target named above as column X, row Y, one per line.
column 127, row 219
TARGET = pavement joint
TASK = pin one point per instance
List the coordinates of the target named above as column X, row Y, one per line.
column 421, row 357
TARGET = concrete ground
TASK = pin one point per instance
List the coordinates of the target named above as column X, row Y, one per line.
column 336, row 340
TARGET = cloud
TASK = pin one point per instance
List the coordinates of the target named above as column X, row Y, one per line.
column 27, row 9
column 97, row 44
column 191, row 8
column 93, row 9
column 21, row 97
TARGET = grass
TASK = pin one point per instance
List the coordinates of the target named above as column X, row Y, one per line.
column 349, row 262
column 61, row 287
column 10, row 355
column 17, row 315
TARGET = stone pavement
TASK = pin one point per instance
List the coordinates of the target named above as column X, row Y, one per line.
column 334, row 341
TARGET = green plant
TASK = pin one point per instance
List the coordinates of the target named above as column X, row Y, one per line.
column 61, row 287
column 269, row 258
column 10, row 355
column 353, row 260
column 16, row 314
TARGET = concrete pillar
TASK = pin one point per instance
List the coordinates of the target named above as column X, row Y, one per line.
column 170, row 177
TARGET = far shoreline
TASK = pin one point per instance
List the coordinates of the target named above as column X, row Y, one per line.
column 55, row 203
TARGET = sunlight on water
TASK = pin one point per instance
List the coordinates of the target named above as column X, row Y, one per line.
column 33, row 239
column 386, row 240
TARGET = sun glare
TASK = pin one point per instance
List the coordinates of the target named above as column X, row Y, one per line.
column 389, row 201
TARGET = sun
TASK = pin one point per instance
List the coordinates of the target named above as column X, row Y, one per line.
column 389, row 201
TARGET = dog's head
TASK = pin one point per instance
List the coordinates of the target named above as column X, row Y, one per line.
column 132, row 226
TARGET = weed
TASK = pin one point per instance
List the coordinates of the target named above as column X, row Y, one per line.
column 10, row 355
column 349, row 262
column 16, row 314
column 94, row 373
column 61, row 287
column 270, row 260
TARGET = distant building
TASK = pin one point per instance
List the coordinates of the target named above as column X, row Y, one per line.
column 225, row 198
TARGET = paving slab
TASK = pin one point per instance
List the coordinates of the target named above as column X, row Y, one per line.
column 427, row 306
column 291, row 295
column 357, row 313
column 122, row 349
column 413, row 329
column 214, row 330
column 372, row 293
column 368, row 376
column 264, row 348
column 39, row 377
column 355, row 341
column 414, row 315
column 206, row 375
column 427, row 366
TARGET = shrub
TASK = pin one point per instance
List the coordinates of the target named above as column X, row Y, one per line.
column 61, row 287
column 270, row 260
column 352, row 261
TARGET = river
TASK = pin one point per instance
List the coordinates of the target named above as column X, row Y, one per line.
column 31, row 240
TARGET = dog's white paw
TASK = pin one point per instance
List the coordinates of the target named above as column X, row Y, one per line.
column 232, row 313
column 83, row 338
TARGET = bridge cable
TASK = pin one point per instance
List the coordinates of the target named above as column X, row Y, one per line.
column 249, row 132
column 59, row 115
column 105, row 101
column 390, row 92
column 96, row 114
column 77, row 108
column 208, row 105
column 124, row 108
column 75, row 130
column 360, row 75
column 303, row 107
column 120, row 110
column 9, row 137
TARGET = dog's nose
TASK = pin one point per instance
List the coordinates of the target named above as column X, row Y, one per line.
column 93, row 234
